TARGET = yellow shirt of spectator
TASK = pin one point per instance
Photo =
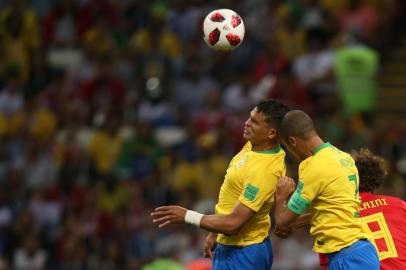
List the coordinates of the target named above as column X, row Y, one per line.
column 251, row 179
column 328, row 186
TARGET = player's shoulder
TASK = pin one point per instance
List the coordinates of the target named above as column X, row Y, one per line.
column 309, row 169
column 269, row 162
column 397, row 205
column 395, row 200
column 334, row 153
column 247, row 146
column 311, row 163
column 326, row 160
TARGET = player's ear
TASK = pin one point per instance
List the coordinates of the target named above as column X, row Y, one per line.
column 292, row 140
column 272, row 134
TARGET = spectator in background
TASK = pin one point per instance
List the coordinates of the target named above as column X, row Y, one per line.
column 359, row 16
column 83, row 70
column 141, row 154
column 237, row 97
column 104, row 92
column 212, row 115
column 38, row 165
column 59, row 28
column 105, row 145
column 192, row 88
column 157, row 33
column 184, row 19
column 19, row 36
column 12, row 96
column 30, row 254
column 314, row 69
column 100, row 36
column 156, row 108
column 93, row 10
column 355, row 70
column 270, row 61
column 314, row 14
column 290, row 37
column 41, row 75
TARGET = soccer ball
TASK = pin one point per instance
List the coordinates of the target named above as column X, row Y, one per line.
column 223, row 29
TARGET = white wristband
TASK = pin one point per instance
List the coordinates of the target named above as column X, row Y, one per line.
column 193, row 217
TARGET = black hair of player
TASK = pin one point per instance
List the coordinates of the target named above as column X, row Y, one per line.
column 273, row 110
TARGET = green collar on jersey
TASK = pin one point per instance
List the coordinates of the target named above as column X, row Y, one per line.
column 324, row 145
column 271, row 151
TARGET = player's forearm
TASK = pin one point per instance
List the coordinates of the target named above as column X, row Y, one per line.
column 225, row 224
column 283, row 215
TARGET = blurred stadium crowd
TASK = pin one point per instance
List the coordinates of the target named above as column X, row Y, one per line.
column 111, row 108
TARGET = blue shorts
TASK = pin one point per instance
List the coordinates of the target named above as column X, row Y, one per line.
column 360, row 255
column 252, row 257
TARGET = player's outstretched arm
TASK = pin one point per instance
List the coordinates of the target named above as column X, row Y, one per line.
column 284, row 189
column 225, row 224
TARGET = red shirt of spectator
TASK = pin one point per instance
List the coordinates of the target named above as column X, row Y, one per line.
column 105, row 90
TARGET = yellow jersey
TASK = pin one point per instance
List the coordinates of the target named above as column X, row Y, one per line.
column 251, row 180
column 328, row 188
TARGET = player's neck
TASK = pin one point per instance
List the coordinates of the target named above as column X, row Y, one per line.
column 313, row 144
column 264, row 147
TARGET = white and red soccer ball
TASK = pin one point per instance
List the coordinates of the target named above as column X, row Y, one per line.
column 223, row 29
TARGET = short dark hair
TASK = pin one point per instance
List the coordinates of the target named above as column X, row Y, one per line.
column 372, row 169
column 298, row 124
column 273, row 110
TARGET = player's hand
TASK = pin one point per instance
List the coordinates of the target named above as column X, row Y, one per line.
column 302, row 221
column 209, row 245
column 166, row 215
column 282, row 232
column 284, row 188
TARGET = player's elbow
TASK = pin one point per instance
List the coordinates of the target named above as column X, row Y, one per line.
column 233, row 228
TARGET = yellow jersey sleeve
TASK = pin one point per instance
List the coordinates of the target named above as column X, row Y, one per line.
column 257, row 189
column 307, row 189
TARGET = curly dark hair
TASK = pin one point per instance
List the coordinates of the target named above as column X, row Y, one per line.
column 372, row 169
column 273, row 110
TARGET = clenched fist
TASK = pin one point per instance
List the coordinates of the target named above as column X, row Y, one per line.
column 284, row 188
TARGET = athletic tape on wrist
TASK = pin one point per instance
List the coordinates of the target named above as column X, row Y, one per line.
column 193, row 217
